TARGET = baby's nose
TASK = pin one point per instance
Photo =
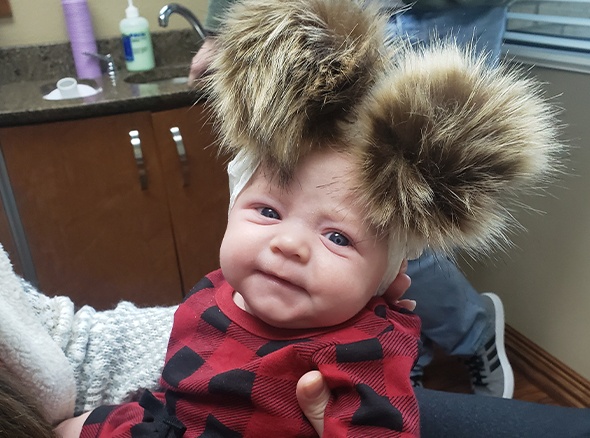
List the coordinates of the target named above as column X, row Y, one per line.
column 292, row 244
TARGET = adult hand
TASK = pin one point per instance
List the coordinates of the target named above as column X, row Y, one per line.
column 202, row 59
column 313, row 393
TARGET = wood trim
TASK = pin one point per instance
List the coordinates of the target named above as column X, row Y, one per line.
column 546, row 371
column 5, row 10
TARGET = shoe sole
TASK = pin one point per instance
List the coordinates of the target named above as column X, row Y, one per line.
column 500, row 348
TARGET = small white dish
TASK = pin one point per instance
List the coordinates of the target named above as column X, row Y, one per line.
column 69, row 88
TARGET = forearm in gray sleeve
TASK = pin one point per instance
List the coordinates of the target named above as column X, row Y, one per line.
column 113, row 353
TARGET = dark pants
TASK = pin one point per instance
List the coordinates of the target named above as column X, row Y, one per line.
column 445, row 414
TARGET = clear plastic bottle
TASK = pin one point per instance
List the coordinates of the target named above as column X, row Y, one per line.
column 137, row 41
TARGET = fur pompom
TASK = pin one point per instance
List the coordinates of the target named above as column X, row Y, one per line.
column 444, row 140
column 288, row 72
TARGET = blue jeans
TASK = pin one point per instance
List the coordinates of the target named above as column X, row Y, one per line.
column 452, row 311
column 482, row 25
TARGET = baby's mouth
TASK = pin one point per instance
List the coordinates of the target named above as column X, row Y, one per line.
column 281, row 281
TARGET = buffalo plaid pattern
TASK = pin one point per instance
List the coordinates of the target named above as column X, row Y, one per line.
column 228, row 374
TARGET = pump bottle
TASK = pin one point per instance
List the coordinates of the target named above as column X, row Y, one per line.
column 137, row 41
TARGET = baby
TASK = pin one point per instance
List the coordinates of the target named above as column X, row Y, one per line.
column 349, row 156
column 300, row 269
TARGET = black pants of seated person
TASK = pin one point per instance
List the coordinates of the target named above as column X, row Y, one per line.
column 450, row 415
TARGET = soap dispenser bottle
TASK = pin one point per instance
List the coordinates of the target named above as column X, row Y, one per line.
column 137, row 41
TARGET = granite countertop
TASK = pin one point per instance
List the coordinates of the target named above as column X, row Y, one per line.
column 31, row 73
column 22, row 103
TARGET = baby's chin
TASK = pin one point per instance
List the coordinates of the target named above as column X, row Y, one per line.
column 297, row 323
column 285, row 323
column 291, row 320
column 268, row 316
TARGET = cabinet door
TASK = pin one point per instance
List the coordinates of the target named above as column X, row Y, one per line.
column 197, row 187
column 94, row 234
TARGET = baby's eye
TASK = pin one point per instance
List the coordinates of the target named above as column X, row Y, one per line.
column 338, row 238
column 269, row 212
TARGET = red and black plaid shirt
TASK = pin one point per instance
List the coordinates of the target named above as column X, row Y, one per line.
column 228, row 374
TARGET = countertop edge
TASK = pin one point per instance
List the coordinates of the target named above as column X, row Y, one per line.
column 97, row 109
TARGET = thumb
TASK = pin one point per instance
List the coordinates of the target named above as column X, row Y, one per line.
column 313, row 395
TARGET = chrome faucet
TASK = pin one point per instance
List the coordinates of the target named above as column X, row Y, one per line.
column 172, row 8
column 108, row 58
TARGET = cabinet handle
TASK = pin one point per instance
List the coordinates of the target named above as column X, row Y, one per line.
column 138, row 154
column 177, row 137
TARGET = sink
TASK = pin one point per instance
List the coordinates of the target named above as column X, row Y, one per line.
column 177, row 74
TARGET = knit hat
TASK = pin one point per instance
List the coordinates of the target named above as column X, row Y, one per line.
column 443, row 140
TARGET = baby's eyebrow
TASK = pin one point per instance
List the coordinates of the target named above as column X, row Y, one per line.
column 344, row 211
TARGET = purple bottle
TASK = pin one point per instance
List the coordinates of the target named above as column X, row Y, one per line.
column 81, row 33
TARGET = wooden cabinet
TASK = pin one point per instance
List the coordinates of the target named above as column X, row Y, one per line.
column 99, row 234
column 197, row 190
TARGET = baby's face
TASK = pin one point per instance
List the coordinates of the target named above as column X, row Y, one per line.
column 301, row 256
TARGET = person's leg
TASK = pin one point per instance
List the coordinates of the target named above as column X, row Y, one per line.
column 482, row 25
column 453, row 313
column 462, row 322
column 445, row 414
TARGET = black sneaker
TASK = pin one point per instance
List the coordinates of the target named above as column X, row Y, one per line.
column 491, row 373
column 416, row 380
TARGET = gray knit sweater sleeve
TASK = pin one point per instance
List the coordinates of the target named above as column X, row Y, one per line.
column 112, row 353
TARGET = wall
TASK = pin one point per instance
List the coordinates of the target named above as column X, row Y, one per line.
column 545, row 280
column 36, row 22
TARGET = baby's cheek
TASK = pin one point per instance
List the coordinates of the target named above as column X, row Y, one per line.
column 226, row 255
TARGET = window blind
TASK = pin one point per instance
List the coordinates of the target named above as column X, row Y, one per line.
column 550, row 31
